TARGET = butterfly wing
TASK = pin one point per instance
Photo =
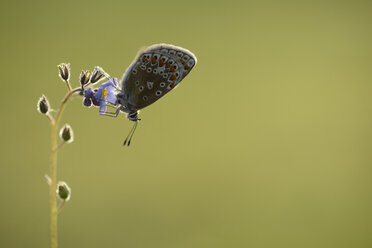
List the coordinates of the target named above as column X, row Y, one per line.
column 154, row 72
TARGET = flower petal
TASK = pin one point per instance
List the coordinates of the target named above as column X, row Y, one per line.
column 110, row 85
column 90, row 94
column 102, row 107
column 87, row 102
column 95, row 101
column 111, row 97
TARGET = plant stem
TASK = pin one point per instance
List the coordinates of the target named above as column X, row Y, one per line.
column 53, row 177
column 53, row 167
column 68, row 85
column 60, row 206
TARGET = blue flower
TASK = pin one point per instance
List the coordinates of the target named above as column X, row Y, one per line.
column 105, row 94
column 90, row 98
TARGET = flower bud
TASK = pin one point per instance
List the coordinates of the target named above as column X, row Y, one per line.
column 97, row 74
column 66, row 133
column 64, row 71
column 63, row 191
column 84, row 77
column 43, row 105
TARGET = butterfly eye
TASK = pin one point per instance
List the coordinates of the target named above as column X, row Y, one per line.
column 143, row 67
column 165, row 75
column 134, row 71
column 137, row 83
column 162, row 84
column 158, row 93
column 120, row 97
column 171, row 61
column 155, row 71
column 141, row 88
column 149, row 69
column 145, row 98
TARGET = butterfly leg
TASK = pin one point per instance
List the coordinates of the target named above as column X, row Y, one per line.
column 112, row 114
column 111, row 106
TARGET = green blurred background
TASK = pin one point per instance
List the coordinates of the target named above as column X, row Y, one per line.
column 267, row 142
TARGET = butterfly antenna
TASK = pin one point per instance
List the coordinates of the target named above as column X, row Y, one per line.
column 134, row 129
column 130, row 135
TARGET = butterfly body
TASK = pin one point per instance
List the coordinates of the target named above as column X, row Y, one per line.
column 155, row 71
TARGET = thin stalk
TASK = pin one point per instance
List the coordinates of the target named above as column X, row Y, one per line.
column 68, row 85
column 60, row 145
column 53, row 177
column 61, row 206
column 53, row 167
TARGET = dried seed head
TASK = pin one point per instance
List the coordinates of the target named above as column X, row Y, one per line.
column 64, row 71
column 63, row 191
column 43, row 105
column 97, row 74
column 66, row 133
column 84, row 77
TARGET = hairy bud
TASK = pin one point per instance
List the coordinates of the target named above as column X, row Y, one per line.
column 43, row 105
column 97, row 74
column 64, row 71
column 66, row 133
column 84, row 77
column 63, row 191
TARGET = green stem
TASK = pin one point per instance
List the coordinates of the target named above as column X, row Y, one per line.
column 53, row 177
column 53, row 167
column 68, row 85
column 61, row 206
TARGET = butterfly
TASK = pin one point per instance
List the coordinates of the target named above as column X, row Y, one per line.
column 154, row 72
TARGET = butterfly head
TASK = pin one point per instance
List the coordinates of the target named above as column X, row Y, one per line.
column 121, row 99
column 133, row 116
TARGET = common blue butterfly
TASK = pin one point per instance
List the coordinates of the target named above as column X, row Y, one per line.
column 154, row 72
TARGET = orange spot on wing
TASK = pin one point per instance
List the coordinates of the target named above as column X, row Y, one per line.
column 187, row 67
column 182, row 61
column 144, row 59
column 172, row 85
column 173, row 77
column 167, row 65
column 161, row 62
column 153, row 60
column 172, row 69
